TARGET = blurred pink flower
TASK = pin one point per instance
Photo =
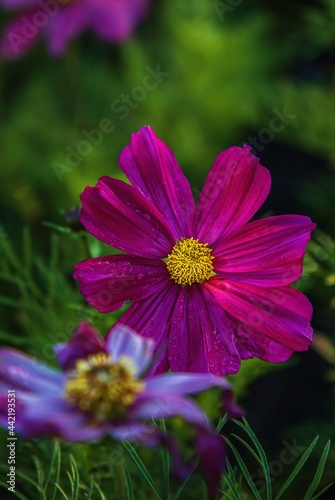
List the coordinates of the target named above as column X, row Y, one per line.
column 61, row 20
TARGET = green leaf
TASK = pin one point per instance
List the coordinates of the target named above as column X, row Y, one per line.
column 54, row 471
column 129, row 484
column 97, row 487
column 144, row 471
column 244, row 470
column 15, row 492
column 297, row 468
column 323, row 491
column 263, row 460
column 75, row 478
column 318, row 474
column 166, row 464
column 62, row 491
column 182, row 486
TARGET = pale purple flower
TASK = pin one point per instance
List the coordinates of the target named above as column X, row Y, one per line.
column 103, row 390
column 61, row 20
column 210, row 287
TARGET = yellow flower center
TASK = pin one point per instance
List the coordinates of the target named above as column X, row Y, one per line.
column 102, row 388
column 190, row 262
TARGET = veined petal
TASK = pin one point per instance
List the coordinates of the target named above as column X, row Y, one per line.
column 85, row 341
column 201, row 337
column 117, row 214
column 122, row 341
column 280, row 314
column 236, row 187
column 19, row 371
column 266, row 252
column 107, row 282
column 252, row 343
column 151, row 318
column 152, row 167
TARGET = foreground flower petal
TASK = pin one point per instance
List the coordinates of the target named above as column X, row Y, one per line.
column 152, row 319
column 236, row 187
column 281, row 314
column 222, row 270
column 201, row 337
column 101, row 393
column 266, row 252
column 119, row 215
column 106, row 281
column 152, row 167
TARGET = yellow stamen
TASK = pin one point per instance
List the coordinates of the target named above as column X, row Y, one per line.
column 103, row 388
column 190, row 262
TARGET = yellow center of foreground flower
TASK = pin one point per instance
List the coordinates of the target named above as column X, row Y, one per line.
column 103, row 388
column 190, row 262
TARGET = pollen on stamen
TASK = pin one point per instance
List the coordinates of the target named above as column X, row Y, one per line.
column 190, row 262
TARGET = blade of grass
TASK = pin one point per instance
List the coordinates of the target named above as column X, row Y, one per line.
column 262, row 455
column 297, row 468
column 142, row 468
column 15, row 492
column 102, row 496
column 75, row 476
column 318, row 474
column 323, row 491
column 244, row 470
column 166, row 465
column 182, row 486
column 62, row 492
column 54, row 471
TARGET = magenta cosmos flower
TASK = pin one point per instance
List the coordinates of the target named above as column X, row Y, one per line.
column 61, row 20
column 102, row 390
column 209, row 286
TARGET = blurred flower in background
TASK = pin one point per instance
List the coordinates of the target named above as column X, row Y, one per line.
column 61, row 20
column 104, row 390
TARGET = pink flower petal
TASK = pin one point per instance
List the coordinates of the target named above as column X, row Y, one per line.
column 108, row 282
column 151, row 318
column 85, row 341
column 201, row 337
column 117, row 214
column 152, row 167
column 252, row 343
column 236, row 187
column 266, row 252
column 280, row 314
